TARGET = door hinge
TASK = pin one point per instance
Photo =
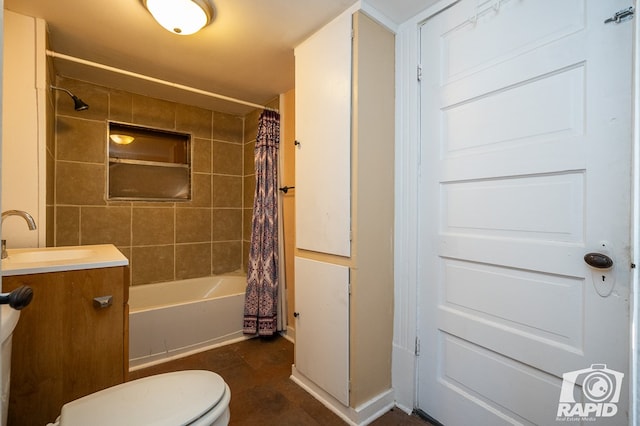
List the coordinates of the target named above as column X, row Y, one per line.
column 417, row 347
column 419, row 73
column 621, row 15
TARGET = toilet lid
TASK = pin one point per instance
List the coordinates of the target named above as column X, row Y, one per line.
column 169, row 399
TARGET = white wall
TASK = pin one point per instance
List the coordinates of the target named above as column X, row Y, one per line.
column 23, row 167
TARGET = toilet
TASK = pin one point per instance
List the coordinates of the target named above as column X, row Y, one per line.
column 8, row 321
column 189, row 397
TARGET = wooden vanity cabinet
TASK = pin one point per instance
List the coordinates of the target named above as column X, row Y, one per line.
column 63, row 346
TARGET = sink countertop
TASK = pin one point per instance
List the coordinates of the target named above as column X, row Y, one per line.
column 56, row 259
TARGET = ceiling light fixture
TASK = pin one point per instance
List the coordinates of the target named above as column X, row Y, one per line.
column 181, row 17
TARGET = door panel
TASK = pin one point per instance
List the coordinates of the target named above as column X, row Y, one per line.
column 526, row 124
column 323, row 130
column 322, row 325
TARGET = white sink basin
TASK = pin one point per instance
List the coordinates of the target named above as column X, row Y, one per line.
column 40, row 256
column 55, row 259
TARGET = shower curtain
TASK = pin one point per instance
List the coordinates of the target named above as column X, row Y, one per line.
column 261, row 299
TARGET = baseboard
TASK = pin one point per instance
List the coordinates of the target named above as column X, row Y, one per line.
column 360, row 416
column 289, row 334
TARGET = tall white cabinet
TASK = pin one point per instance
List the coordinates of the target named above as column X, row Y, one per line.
column 344, row 215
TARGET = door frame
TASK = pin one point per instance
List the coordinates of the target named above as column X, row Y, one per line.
column 407, row 255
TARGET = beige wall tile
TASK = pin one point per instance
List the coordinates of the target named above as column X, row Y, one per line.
column 200, row 191
column 193, row 260
column 96, row 97
column 51, row 177
column 67, row 230
column 227, row 224
column 81, row 140
column 227, row 257
column 152, row 226
column 152, row 264
column 247, row 217
column 245, row 255
column 120, row 106
column 153, row 112
column 227, row 127
column 227, row 191
column 202, row 152
column 193, row 225
column 194, row 120
column 248, row 153
column 249, row 188
column 50, row 237
column 105, row 225
column 227, row 158
column 80, row 183
column 146, row 233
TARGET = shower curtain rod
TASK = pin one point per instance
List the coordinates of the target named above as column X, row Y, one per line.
column 155, row 80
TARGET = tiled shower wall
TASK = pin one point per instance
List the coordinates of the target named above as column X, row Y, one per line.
column 163, row 241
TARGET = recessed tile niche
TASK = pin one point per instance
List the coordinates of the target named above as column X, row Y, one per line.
column 148, row 164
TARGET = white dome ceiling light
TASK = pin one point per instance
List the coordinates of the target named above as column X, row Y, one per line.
column 181, row 17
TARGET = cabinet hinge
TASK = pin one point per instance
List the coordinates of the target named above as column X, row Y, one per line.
column 417, row 346
column 419, row 73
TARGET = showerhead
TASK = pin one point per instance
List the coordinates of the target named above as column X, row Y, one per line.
column 78, row 104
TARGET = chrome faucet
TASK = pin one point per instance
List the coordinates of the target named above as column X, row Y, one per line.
column 31, row 223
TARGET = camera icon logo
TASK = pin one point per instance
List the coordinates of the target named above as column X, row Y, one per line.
column 600, row 387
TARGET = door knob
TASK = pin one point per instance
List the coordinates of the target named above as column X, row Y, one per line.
column 598, row 260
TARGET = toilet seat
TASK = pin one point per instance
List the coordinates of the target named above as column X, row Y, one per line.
column 190, row 397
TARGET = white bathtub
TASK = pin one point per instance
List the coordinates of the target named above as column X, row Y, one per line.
column 175, row 319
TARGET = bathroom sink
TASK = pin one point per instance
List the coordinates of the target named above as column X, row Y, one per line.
column 55, row 259
column 39, row 256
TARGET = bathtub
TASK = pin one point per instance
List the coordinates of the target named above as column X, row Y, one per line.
column 174, row 319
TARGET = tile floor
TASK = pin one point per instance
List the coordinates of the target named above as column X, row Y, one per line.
column 257, row 371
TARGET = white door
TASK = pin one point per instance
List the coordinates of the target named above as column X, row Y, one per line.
column 525, row 168
column 322, row 325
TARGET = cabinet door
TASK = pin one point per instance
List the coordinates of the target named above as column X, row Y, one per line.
column 63, row 347
column 323, row 130
column 322, row 325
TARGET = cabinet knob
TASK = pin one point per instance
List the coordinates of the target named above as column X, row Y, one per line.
column 102, row 302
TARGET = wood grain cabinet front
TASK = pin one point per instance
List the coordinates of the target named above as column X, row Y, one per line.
column 65, row 345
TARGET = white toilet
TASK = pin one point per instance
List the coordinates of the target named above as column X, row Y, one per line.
column 189, row 397
column 8, row 321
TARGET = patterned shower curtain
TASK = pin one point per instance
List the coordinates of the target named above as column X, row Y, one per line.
column 261, row 299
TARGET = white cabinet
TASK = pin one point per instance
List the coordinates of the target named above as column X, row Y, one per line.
column 323, row 126
column 344, row 215
column 322, row 325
